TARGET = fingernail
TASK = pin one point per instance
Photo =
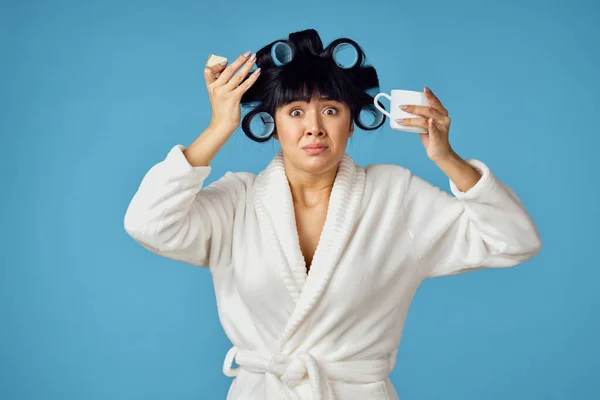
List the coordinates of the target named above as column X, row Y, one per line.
column 253, row 57
column 224, row 62
column 403, row 107
column 427, row 89
column 401, row 120
column 257, row 71
column 246, row 54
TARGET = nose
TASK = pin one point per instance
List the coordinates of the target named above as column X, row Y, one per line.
column 315, row 126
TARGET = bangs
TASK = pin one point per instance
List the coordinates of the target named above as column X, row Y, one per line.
column 303, row 81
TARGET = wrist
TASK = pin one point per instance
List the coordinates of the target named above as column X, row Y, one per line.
column 452, row 156
column 219, row 130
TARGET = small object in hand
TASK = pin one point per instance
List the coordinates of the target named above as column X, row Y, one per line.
column 402, row 97
column 214, row 60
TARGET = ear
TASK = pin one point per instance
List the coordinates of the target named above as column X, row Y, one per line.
column 275, row 136
column 351, row 129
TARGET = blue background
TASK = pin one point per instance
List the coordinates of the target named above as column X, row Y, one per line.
column 94, row 93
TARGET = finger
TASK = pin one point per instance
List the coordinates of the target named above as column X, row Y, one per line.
column 422, row 122
column 435, row 102
column 238, row 78
column 247, row 83
column 424, row 111
column 211, row 73
column 432, row 127
column 227, row 73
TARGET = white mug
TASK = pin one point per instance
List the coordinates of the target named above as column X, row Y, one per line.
column 398, row 98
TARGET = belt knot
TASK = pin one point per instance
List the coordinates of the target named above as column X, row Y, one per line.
column 297, row 368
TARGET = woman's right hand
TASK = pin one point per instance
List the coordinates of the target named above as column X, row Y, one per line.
column 225, row 91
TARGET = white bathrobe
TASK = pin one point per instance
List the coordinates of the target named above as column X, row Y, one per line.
column 332, row 333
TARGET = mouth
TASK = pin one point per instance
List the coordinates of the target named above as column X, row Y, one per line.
column 315, row 149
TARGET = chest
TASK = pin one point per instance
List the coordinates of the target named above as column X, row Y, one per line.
column 309, row 223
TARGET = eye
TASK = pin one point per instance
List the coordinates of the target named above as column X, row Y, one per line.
column 329, row 108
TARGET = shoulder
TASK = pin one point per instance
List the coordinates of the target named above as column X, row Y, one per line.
column 386, row 173
column 387, row 179
column 240, row 178
column 235, row 184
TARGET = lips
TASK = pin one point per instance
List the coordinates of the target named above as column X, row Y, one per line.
column 315, row 149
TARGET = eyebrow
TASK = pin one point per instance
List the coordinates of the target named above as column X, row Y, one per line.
column 327, row 98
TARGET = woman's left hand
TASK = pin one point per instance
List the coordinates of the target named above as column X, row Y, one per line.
column 437, row 122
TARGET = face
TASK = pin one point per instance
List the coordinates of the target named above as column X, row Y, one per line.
column 313, row 136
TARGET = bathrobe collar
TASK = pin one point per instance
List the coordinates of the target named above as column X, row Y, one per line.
column 274, row 206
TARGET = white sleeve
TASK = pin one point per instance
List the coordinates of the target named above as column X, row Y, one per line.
column 485, row 227
column 173, row 216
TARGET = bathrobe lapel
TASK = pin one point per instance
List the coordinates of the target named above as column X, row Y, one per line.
column 274, row 206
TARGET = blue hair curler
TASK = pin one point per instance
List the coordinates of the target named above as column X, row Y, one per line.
column 281, row 53
column 371, row 112
column 341, row 47
column 251, row 105
column 262, row 121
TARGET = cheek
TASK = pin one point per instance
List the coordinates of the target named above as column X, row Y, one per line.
column 289, row 133
column 340, row 133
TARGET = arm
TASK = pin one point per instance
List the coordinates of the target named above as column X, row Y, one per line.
column 460, row 172
column 484, row 226
column 172, row 215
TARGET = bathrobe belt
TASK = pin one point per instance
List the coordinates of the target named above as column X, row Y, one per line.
column 290, row 370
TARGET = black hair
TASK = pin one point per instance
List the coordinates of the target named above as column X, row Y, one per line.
column 312, row 71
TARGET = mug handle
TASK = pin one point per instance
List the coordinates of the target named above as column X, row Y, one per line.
column 377, row 105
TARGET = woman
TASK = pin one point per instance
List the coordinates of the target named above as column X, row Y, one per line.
column 315, row 260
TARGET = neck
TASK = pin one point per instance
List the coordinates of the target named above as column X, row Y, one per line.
column 309, row 189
